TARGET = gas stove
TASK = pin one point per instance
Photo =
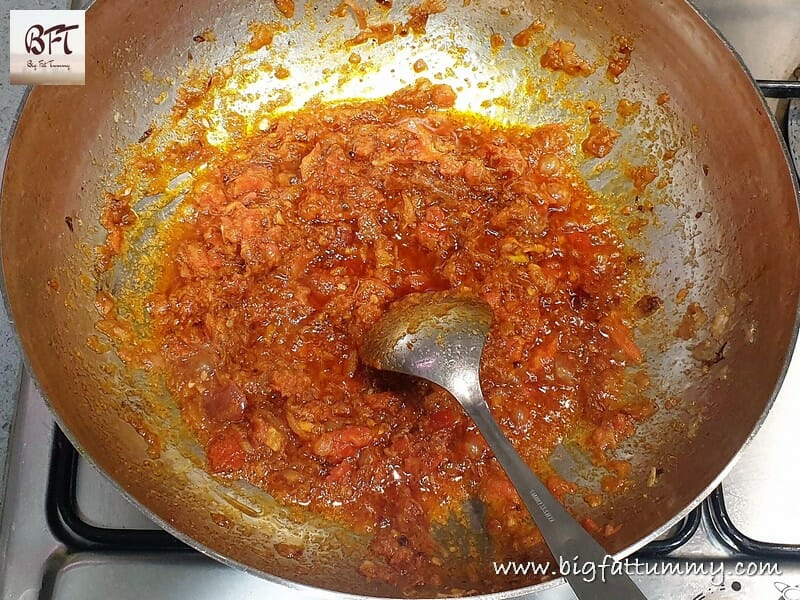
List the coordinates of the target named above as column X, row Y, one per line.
column 66, row 532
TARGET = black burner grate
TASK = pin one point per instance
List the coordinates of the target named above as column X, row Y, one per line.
column 738, row 541
column 70, row 528
column 779, row 89
column 679, row 536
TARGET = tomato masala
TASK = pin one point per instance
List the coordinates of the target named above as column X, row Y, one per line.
column 292, row 243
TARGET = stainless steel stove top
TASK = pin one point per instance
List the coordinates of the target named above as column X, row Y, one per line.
column 742, row 543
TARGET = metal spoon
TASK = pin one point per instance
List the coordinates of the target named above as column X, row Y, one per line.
column 440, row 337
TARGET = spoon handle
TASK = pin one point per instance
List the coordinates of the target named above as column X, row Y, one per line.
column 567, row 540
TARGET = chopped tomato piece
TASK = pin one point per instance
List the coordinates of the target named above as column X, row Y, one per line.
column 225, row 452
column 337, row 445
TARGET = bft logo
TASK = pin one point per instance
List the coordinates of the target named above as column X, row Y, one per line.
column 47, row 47
column 57, row 34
